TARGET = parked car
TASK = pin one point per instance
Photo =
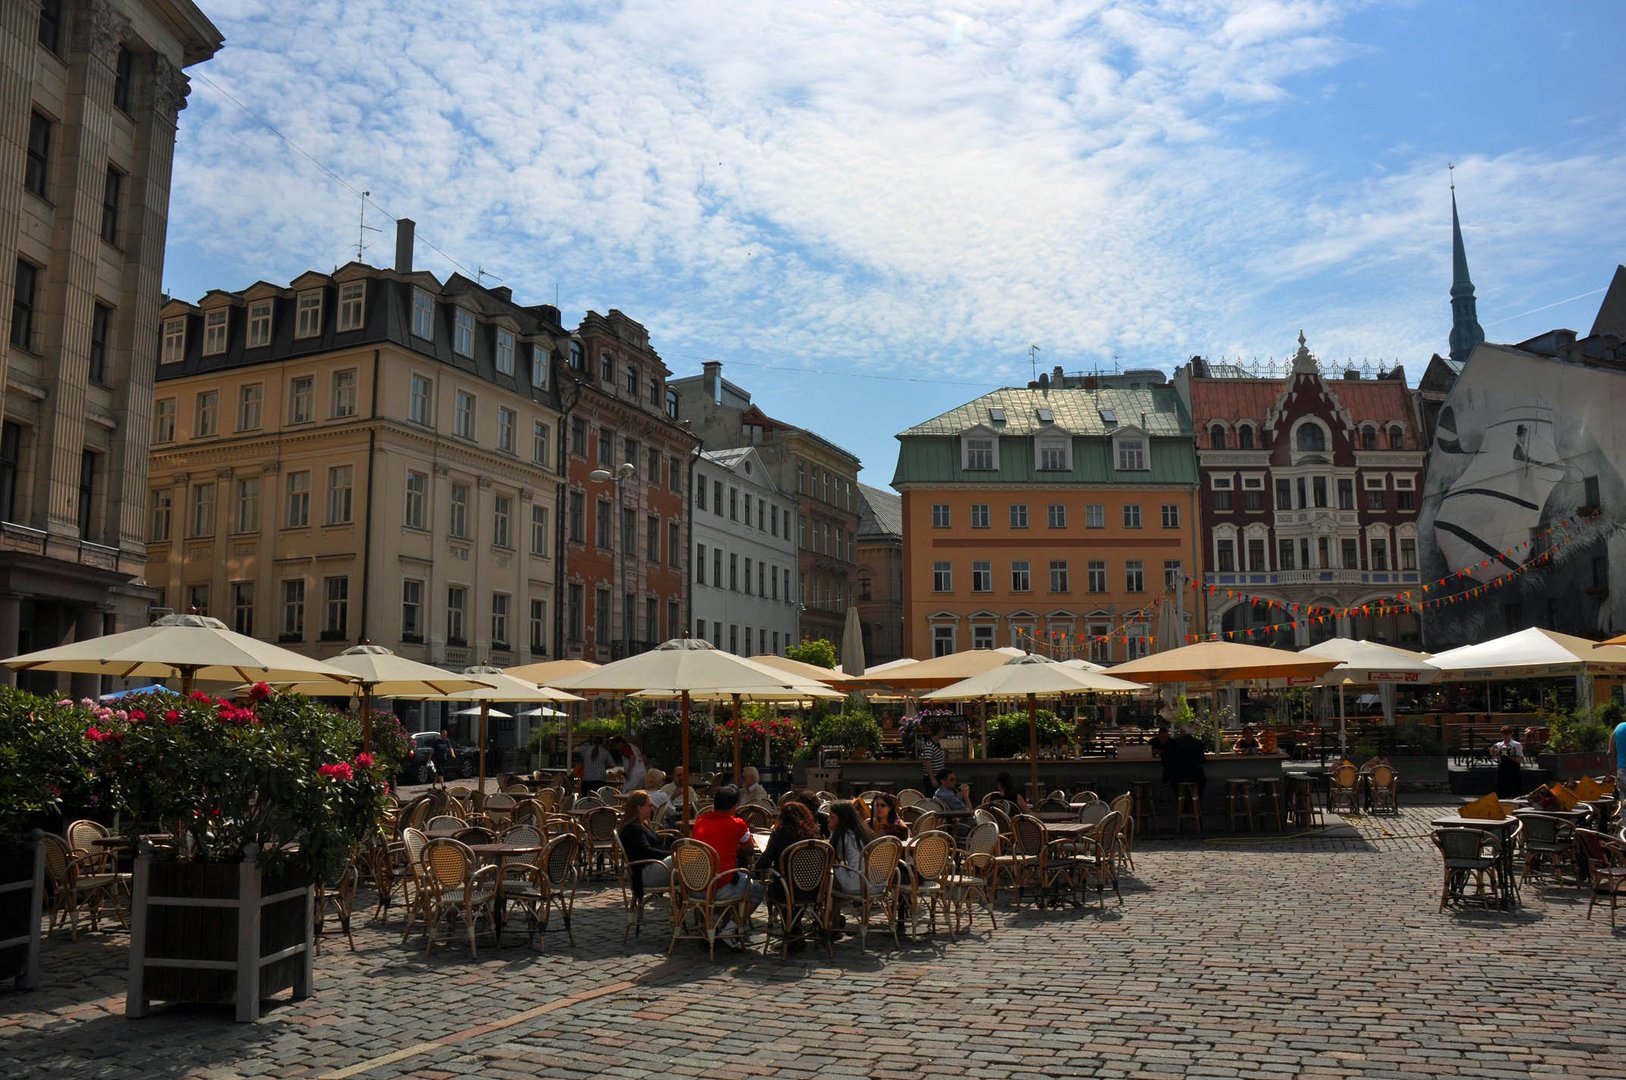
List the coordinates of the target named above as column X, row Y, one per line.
column 419, row 766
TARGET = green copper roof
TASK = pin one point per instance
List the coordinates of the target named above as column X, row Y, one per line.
column 1079, row 411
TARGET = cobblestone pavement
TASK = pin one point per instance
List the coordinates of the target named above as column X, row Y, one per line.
column 1317, row 956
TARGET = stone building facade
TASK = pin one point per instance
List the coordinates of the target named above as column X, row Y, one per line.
column 880, row 574
column 744, row 591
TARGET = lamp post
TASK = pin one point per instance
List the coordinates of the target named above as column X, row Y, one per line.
column 618, row 570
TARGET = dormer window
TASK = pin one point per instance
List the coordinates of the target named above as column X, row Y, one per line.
column 1131, row 453
column 423, row 314
column 1311, row 439
column 1054, row 455
column 577, row 361
column 259, row 324
column 996, row 415
column 1244, row 437
column 1046, row 416
column 463, row 332
column 214, row 332
column 505, row 351
column 1397, row 438
column 979, row 452
column 308, row 314
column 1369, row 437
column 1216, row 436
column 174, row 340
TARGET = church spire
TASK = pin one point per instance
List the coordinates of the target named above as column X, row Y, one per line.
column 1465, row 328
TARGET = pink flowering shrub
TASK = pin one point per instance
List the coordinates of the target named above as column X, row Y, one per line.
column 44, row 763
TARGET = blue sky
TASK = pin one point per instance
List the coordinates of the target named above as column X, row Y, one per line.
column 869, row 212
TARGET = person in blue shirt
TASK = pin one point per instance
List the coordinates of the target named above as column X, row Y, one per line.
column 1620, row 760
column 951, row 793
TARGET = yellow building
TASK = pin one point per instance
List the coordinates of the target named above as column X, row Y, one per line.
column 363, row 455
column 1047, row 519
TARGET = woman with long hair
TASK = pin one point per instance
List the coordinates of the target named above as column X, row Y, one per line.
column 796, row 823
column 884, row 817
column 642, row 843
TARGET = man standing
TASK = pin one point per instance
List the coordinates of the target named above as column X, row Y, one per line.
column 443, row 755
column 931, row 753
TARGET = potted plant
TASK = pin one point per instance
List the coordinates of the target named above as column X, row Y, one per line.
column 854, row 729
column 264, row 797
column 43, row 764
column 1576, row 740
column 1008, row 735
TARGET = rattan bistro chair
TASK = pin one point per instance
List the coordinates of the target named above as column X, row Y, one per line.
column 1469, row 852
column 1549, row 843
column 459, row 888
column 636, row 893
column 1343, row 790
column 797, row 897
column 931, row 857
column 695, row 881
column 1097, row 863
column 1606, row 868
column 973, row 880
column 77, row 883
column 877, row 887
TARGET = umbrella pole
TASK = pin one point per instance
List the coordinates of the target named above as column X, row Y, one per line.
column 1033, row 748
column 1343, row 750
column 366, row 718
column 485, row 708
column 186, row 680
column 685, row 759
column 736, row 740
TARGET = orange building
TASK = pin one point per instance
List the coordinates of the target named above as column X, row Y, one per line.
column 1048, row 519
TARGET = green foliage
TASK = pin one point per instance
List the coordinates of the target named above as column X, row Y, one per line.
column 44, row 761
column 758, row 725
column 390, row 741
column 549, row 734
column 660, row 733
column 817, row 651
column 277, row 771
column 853, row 729
column 1008, row 732
column 1577, row 732
column 1423, row 738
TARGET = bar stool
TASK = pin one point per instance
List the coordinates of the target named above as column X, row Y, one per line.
column 1302, row 811
column 1239, row 812
column 1145, row 806
column 1267, row 800
column 1188, row 807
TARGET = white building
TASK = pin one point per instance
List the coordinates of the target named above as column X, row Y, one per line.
column 744, row 597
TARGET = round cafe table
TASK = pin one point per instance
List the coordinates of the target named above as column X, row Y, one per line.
column 500, row 853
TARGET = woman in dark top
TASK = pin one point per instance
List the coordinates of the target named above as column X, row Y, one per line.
column 1009, row 792
column 885, row 819
column 796, row 823
column 641, row 842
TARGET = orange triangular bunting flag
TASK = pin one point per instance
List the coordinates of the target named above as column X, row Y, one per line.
column 1587, row 789
column 1484, row 808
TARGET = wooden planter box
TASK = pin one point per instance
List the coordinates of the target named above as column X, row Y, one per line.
column 22, row 887
column 1575, row 766
column 217, row 933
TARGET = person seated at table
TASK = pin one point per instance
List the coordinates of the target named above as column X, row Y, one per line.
column 1159, row 740
column 796, row 823
column 951, row 793
column 730, row 838
column 1007, row 791
column 655, row 788
column 752, row 793
column 884, row 817
column 820, row 814
column 1509, row 755
column 849, row 836
column 641, row 842
column 1247, row 742
column 674, row 793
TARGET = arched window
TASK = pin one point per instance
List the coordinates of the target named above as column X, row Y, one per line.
column 1244, row 437
column 1311, row 439
column 1397, row 437
column 1369, row 437
column 1216, row 435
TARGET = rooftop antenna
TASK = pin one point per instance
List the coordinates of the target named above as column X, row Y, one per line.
column 1033, row 360
column 363, row 228
column 480, row 275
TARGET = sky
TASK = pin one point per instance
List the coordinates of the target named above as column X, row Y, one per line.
column 871, row 212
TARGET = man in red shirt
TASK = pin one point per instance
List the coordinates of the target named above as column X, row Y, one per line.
column 729, row 837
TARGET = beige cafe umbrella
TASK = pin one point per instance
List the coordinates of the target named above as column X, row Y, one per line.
column 187, row 647
column 828, row 676
column 1224, row 661
column 686, row 667
column 546, row 673
column 852, row 644
column 380, row 673
column 1370, row 663
column 500, row 686
column 1032, row 676
column 804, row 691
column 939, row 671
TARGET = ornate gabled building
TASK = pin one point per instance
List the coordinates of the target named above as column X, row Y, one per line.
column 1310, row 491
column 91, row 92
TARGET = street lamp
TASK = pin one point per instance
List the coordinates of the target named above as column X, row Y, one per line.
column 618, row 569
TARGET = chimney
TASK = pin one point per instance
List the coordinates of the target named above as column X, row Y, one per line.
column 1056, row 378
column 712, row 380
column 403, row 245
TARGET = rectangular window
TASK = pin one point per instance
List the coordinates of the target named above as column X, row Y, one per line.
column 1323, row 551
column 1224, row 500
column 717, row 567
column 259, row 325
column 747, row 578
column 297, row 507
column 606, row 447
column 1132, row 515
column 242, row 607
column 1404, row 500
column 1255, row 499
column 1052, row 458
column 1380, row 554
column 1408, row 553
column 979, row 515
column 541, row 443
column 293, row 609
column 1374, row 501
column 1349, row 553
column 101, row 317
column 652, row 538
column 112, row 190
column 606, row 373
column 22, row 305
column 1173, row 574
column 733, row 572
column 1256, row 554
column 539, row 531
column 1284, row 556
column 1225, row 556
column 539, row 372
column 214, row 332
column 1019, row 515
column 463, row 415
column 174, row 350
column 1284, row 495
column 629, row 532
column 982, row 576
column 247, row 516
column 673, row 474
column 463, row 332
column 250, row 406
column 37, row 172
column 423, row 314
column 1096, row 573
column 1131, row 455
column 672, row 548
column 352, row 297
column 203, row 510
column 162, row 501
column 942, row 577
column 344, row 393
column 308, row 314
column 733, row 504
column 1318, row 491
column 458, row 528
column 411, row 609
column 418, row 401
column 632, row 381
column 123, row 72
column 1346, row 494
column 601, row 525
column 979, row 453
column 700, row 493
column 457, row 601
column 502, row 515
column 340, row 494
column 539, row 626
column 577, row 523
column 335, row 608
column 206, row 418
column 1095, row 516
column 507, row 423
column 940, row 515
column 1058, row 575
column 1171, row 515
column 417, row 496
column 1021, row 576
column 1056, row 515
column 1135, row 576
column 700, row 564
column 302, row 400
column 499, row 620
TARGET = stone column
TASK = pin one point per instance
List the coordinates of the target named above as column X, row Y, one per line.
column 10, row 616
column 88, row 623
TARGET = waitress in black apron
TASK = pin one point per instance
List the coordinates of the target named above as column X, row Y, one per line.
column 1509, row 757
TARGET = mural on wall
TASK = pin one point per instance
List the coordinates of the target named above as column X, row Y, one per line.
column 1525, row 443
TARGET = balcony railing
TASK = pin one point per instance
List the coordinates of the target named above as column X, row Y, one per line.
column 1285, row 578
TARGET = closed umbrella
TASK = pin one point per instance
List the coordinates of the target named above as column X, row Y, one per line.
column 187, row 647
column 852, row 644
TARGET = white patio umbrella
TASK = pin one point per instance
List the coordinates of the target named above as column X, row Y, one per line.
column 686, row 667
column 1532, row 654
column 1370, row 663
column 381, row 673
column 500, row 686
column 1032, row 676
column 187, row 647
